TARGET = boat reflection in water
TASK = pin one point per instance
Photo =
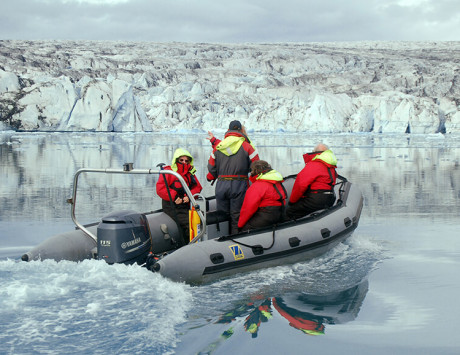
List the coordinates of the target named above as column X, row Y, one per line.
column 310, row 313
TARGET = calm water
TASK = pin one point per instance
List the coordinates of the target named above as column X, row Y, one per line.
column 392, row 287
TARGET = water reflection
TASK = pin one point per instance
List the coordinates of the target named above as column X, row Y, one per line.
column 394, row 173
column 309, row 313
column 398, row 176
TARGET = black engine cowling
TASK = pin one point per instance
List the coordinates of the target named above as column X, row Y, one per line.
column 123, row 237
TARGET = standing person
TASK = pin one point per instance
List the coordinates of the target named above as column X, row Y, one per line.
column 313, row 188
column 264, row 201
column 229, row 164
column 174, row 200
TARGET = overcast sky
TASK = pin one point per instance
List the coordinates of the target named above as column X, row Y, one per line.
column 230, row 21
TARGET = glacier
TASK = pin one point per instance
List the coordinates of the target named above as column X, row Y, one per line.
column 110, row 86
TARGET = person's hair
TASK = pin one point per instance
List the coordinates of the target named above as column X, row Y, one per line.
column 321, row 147
column 260, row 167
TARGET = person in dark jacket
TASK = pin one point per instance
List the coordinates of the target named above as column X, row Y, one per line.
column 168, row 185
column 229, row 164
column 313, row 188
column 265, row 198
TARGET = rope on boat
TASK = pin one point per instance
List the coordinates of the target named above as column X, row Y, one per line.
column 257, row 246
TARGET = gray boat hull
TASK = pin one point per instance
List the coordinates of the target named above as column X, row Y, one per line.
column 74, row 246
column 286, row 243
column 220, row 255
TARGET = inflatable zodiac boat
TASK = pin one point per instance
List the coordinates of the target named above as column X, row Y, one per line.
column 153, row 239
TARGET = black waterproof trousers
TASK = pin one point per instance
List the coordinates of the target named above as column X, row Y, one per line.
column 229, row 199
column 179, row 213
column 264, row 216
column 311, row 202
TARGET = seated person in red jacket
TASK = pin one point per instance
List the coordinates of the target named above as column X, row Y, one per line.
column 264, row 200
column 182, row 163
column 313, row 188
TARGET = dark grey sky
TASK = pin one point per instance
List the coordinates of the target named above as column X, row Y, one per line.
column 231, row 20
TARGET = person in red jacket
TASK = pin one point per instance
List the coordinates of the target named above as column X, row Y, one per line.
column 308, row 323
column 313, row 188
column 229, row 164
column 264, row 200
column 174, row 200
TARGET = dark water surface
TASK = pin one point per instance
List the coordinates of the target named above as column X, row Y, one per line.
column 391, row 288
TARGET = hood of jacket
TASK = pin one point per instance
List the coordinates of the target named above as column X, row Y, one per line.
column 230, row 145
column 271, row 176
column 327, row 157
column 182, row 152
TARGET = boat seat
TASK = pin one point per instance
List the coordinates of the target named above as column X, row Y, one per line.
column 214, row 217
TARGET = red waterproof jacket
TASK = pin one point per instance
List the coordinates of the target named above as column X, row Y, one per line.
column 308, row 326
column 315, row 176
column 187, row 171
column 261, row 193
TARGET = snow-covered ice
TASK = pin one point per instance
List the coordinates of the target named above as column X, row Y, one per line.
column 380, row 87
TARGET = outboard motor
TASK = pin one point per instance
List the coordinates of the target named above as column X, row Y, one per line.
column 123, row 237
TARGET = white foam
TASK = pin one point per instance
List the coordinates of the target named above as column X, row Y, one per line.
column 124, row 307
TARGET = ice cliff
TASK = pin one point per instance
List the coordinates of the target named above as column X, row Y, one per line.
column 377, row 87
